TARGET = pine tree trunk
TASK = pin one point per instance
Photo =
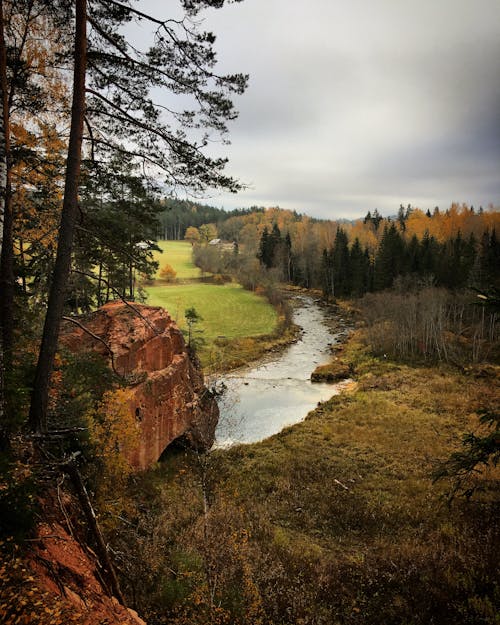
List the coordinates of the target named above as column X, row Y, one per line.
column 7, row 255
column 48, row 348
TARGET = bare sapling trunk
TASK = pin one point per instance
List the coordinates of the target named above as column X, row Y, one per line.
column 57, row 294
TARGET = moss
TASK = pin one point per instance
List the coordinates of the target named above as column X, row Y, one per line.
column 332, row 372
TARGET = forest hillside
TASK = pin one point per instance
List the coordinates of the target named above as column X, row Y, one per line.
column 379, row 506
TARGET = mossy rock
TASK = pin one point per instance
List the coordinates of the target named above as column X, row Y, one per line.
column 332, row 372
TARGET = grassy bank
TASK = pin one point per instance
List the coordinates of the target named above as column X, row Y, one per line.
column 236, row 324
column 336, row 519
column 178, row 254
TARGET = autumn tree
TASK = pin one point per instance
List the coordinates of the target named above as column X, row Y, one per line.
column 112, row 82
column 168, row 273
column 192, row 235
column 18, row 90
column 29, row 93
column 207, row 233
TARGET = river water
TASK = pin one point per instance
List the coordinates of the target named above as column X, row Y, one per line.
column 262, row 399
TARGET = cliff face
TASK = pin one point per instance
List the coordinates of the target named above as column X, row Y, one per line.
column 169, row 399
column 64, row 578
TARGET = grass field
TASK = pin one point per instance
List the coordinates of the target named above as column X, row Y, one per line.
column 178, row 255
column 227, row 310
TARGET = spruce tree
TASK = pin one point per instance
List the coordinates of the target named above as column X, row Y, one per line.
column 390, row 258
column 359, row 266
column 341, row 264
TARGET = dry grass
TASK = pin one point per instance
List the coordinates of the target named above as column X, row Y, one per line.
column 345, row 524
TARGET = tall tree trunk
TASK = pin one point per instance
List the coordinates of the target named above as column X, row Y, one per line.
column 48, row 348
column 7, row 255
column 99, row 285
column 131, row 280
column 22, row 259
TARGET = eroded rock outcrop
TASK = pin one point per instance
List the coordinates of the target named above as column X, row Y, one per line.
column 169, row 399
column 64, row 576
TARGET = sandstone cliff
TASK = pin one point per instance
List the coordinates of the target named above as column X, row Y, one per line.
column 169, row 399
column 64, row 578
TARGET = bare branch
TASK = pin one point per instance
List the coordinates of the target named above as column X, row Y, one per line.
column 97, row 338
column 91, row 137
column 116, row 292
column 144, row 15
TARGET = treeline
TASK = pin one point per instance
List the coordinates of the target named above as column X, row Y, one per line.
column 177, row 216
column 454, row 263
column 453, row 249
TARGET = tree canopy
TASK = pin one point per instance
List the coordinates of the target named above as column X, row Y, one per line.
column 119, row 119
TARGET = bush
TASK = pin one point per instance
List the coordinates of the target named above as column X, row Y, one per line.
column 431, row 325
column 168, row 273
column 220, row 278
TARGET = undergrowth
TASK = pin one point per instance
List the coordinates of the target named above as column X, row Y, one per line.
column 334, row 520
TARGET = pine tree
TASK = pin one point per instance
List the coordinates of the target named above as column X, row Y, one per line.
column 265, row 254
column 390, row 258
column 112, row 82
column 429, row 250
column 327, row 275
column 413, row 255
column 341, row 264
column 288, row 258
column 359, row 265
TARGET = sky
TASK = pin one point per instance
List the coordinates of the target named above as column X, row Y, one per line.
column 354, row 105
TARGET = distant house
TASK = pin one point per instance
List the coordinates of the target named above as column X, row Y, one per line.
column 214, row 242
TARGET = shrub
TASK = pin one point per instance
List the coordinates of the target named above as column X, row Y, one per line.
column 168, row 273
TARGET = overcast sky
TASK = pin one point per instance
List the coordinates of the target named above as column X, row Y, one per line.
column 360, row 104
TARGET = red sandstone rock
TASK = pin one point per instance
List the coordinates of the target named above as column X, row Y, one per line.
column 170, row 400
column 60, row 566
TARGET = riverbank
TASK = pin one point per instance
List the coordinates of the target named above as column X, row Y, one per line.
column 276, row 391
column 237, row 353
column 229, row 354
column 335, row 519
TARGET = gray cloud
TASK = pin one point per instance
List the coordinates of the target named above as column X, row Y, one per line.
column 363, row 104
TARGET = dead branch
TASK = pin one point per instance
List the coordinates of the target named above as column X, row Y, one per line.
column 72, row 471
column 116, row 292
column 97, row 338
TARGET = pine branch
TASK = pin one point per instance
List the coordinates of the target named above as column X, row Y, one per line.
column 128, row 304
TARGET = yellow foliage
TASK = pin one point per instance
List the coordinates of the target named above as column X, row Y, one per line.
column 114, row 434
column 168, row 273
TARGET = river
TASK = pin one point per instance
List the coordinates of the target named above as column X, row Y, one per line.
column 263, row 398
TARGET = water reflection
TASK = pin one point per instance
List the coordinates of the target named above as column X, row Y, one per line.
column 262, row 400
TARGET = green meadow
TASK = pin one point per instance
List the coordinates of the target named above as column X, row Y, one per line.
column 178, row 255
column 227, row 310
column 234, row 321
